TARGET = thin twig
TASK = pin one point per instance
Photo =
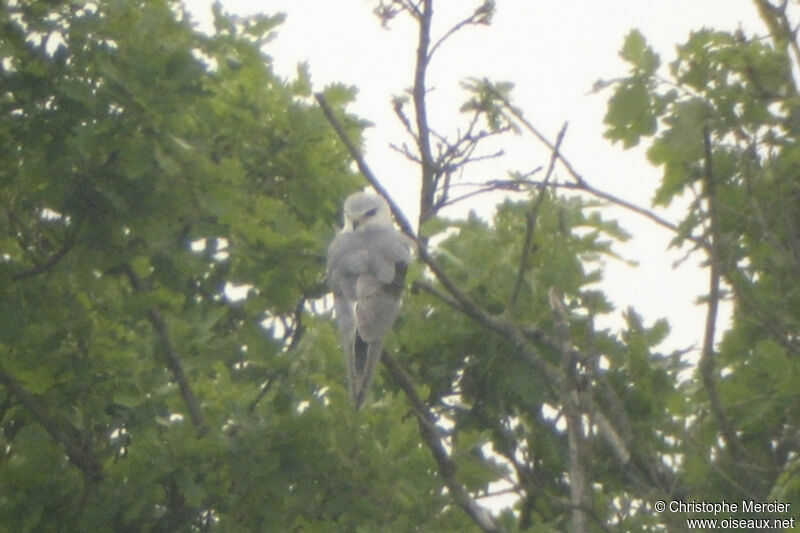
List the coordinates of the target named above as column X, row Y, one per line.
column 461, row 198
column 261, row 393
column 467, row 21
column 530, row 223
column 401, row 115
column 585, row 187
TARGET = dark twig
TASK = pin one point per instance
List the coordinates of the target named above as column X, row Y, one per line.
column 530, row 223
column 397, row 104
column 405, row 151
column 261, row 393
column 461, row 198
column 299, row 328
column 53, row 260
column 472, row 19
column 585, row 187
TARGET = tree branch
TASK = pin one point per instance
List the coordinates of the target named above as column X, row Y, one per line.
column 706, row 364
column 53, row 260
column 425, row 419
column 363, row 167
column 530, row 223
column 570, row 399
column 171, row 358
column 76, row 447
column 447, row 467
column 469, row 20
column 580, row 181
column 265, row 387
column 423, row 130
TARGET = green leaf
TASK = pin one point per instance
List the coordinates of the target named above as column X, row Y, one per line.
column 631, row 113
column 636, row 51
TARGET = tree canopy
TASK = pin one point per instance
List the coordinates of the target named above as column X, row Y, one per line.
column 146, row 168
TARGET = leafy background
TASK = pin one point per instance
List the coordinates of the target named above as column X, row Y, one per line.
column 147, row 166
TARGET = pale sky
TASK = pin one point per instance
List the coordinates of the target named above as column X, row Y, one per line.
column 553, row 51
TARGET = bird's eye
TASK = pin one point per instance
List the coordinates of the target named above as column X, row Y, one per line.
column 372, row 212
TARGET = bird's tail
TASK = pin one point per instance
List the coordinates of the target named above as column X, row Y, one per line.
column 365, row 362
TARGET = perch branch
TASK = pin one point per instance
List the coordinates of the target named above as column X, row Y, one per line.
column 447, row 467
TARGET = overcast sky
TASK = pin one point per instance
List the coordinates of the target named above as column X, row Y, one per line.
column 553, row 51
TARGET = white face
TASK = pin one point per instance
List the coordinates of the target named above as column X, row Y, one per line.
column 363, row 210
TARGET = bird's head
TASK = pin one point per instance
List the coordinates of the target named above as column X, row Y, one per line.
column 364, row 210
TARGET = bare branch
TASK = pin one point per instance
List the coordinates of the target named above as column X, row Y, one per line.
column 580, row 182
column 530, row 224
column 408, row 154
column 585, row 187
column 363, row 167
column 420, row 107
column 451, row 201
column 397, row 105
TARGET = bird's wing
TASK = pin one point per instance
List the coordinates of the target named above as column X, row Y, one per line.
column 377, row 303
column 347, row 261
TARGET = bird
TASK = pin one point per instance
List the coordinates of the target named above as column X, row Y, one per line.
column 366, row 267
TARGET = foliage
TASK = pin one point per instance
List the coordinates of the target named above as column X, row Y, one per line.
column 724, row 129
column 147, row 168
column 144, row 167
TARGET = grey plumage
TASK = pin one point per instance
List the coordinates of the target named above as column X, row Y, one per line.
column 367, row 263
